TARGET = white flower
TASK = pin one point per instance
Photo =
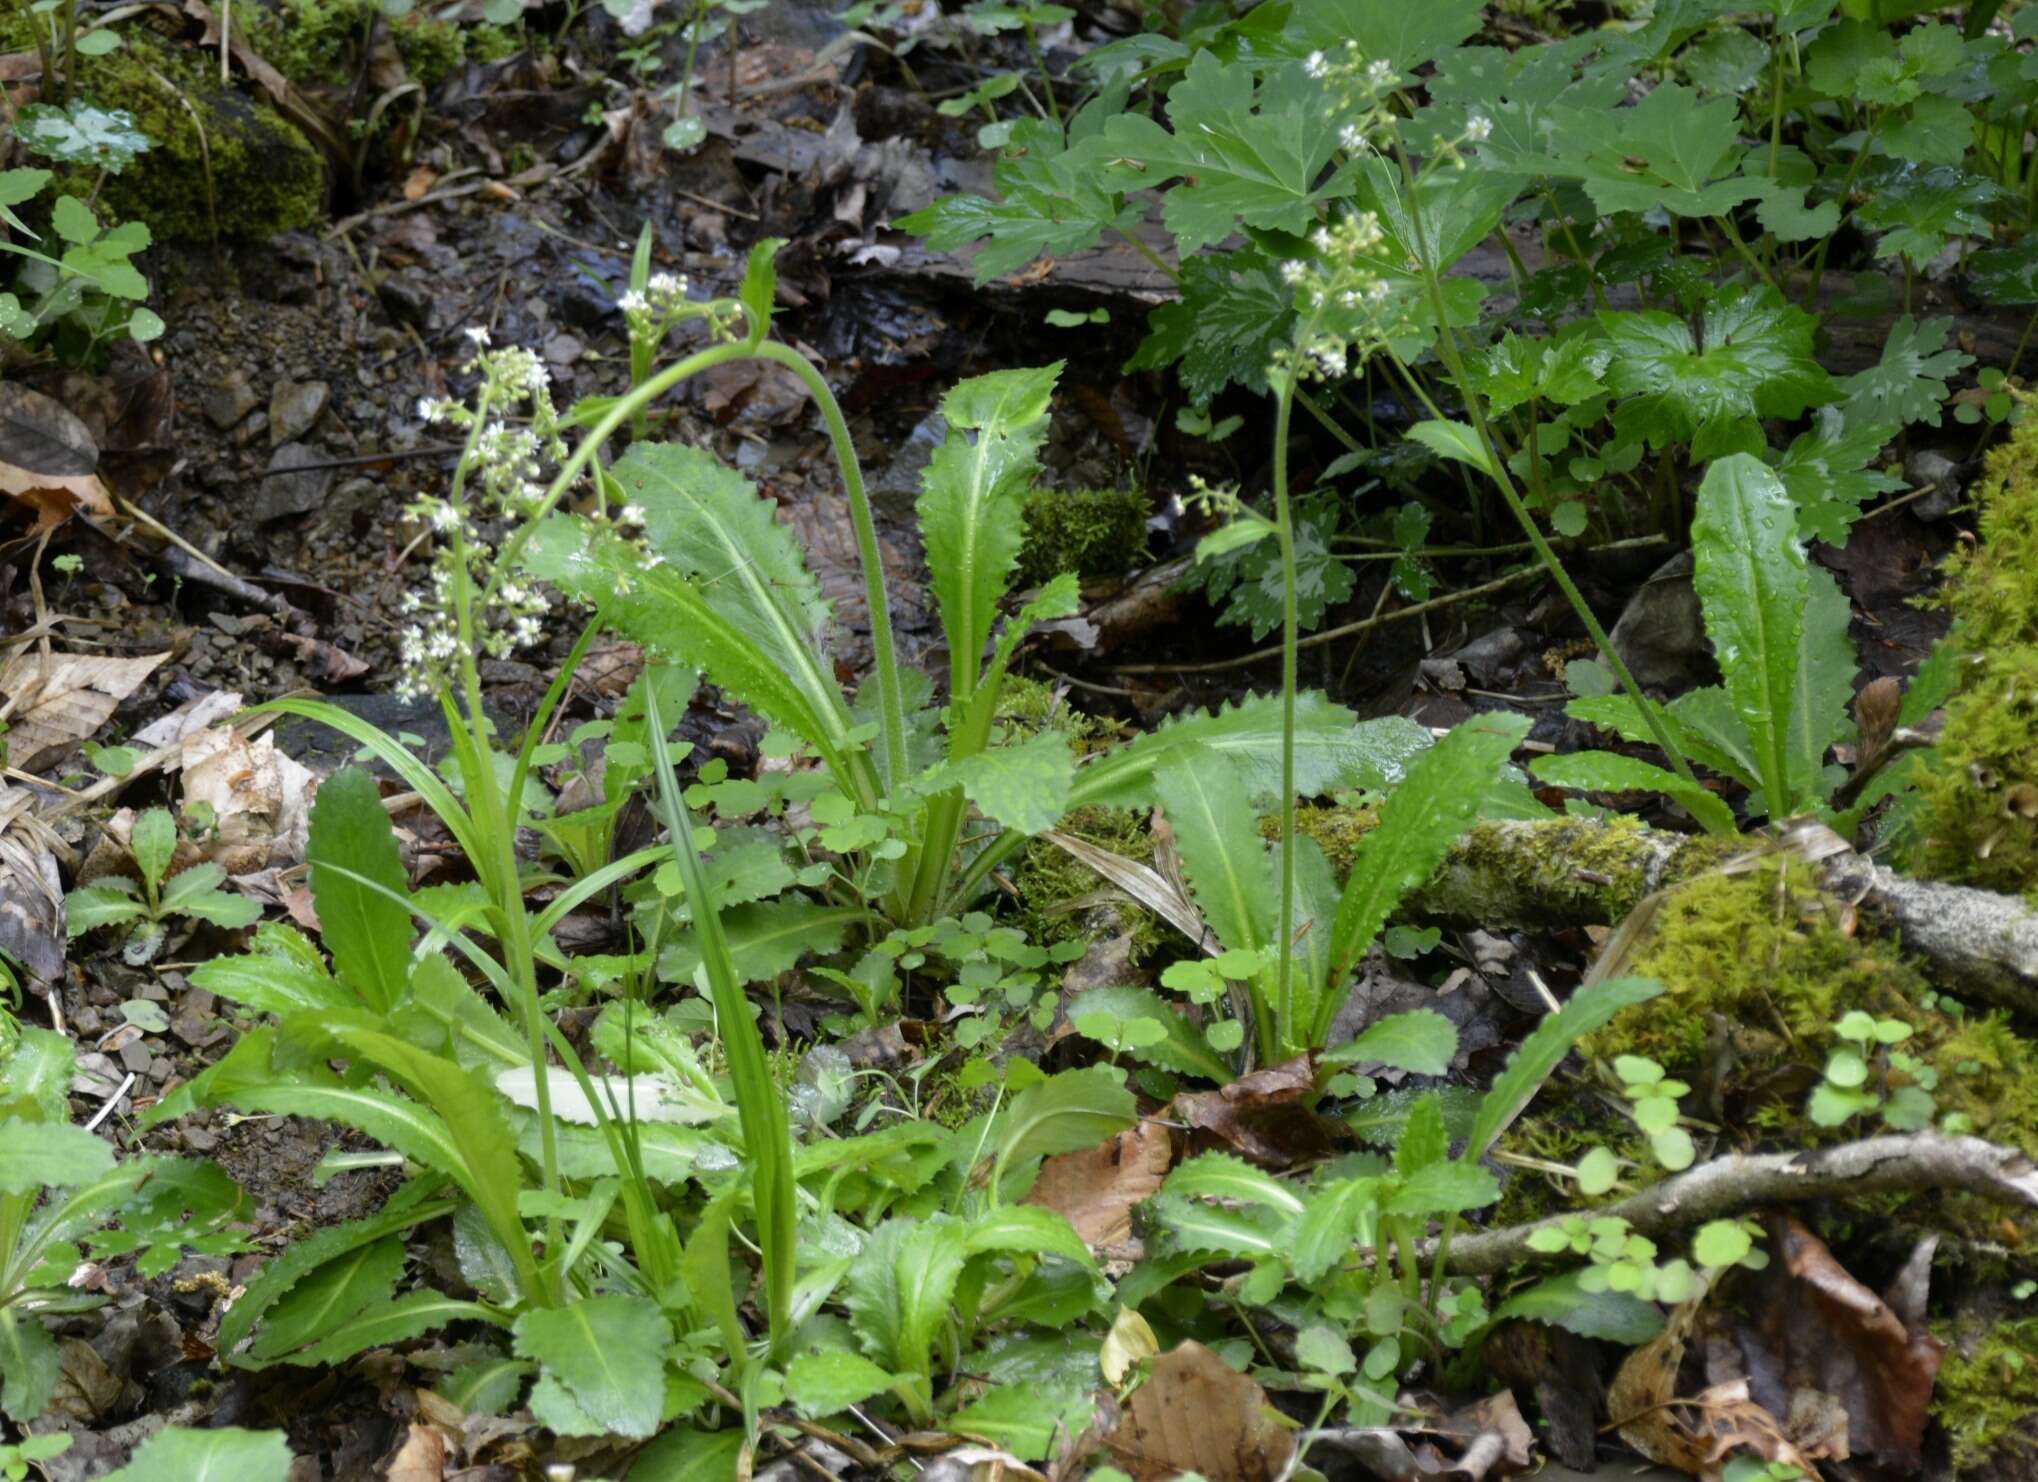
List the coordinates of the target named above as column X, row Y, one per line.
column 428, row 410
column 478, row 333
column 667, row 285
column 1314, row 65
column 1379, row 73
column 1478, row 128
column 632, row 302
column 630, row 514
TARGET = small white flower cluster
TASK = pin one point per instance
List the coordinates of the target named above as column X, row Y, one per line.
column 497, row 479
column 1343, row 297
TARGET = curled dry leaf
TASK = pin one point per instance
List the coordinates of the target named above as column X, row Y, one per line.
column 260, row 799
column 48, row 460
column 50, row 708
column 1096, row 1189
column 31, row 890
column 1826, row 1353
column 1196, row 1413
column 1875, row 714
column 1490, row 1439
column 1694, row 1433
column 1264, row 1115
column 422, row 1457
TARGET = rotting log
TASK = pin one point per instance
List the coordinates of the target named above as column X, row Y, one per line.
column 1549, row 874
column 1743, row 1181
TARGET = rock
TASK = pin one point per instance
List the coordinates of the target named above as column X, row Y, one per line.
column 1924, row 466
column 408, row 299
column 282, row 493
column 293, row 407
column 135, row 1056
column 563, row 349
column 1661, row 633
column 896, row 489
column 229, row 401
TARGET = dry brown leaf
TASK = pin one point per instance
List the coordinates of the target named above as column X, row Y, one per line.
column 422, row 1457
column 1264, row 1115
column 260, row 799
column 1196, row 1413
column 73, row 699
column 1826, row 1353
column 31, row 891
column 418, row 182
column 48, row 459
column 1096, row 1189
column 1691, row 1433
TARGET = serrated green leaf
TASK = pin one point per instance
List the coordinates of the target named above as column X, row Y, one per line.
column 1027, row 1229
column 759, row 291
column 1339, row 1222
column 196, row 893
column 339, row 1289
column 353, row 851
column 1419, row 822
column 397, row 1321
column 704, row 622
column 1445, row 1188
column 82, row 133
column 154, row 839
column 55, row 1155
column 1241, row 152
column 303, row 1257
column 827, row 1381
column 973, row 489
column 1233, row 1180
column 1052, row 199
column 1333, row 749
column 1751, row 358
column 1240, row 567
column 1750, row 574
column 1421, row 1041
column 1612, row 1317
column 1023, row 785
column 1670, row 151
column 282, row 976
column 28, row 1365
column 1231, row 313
column 1919, row 209
column 1607, row 771
column 1195, row 1226
column 1424, row 1140
column 1829, row 472
column 607, row 1352
column 1456, row 441
column 1908, row 384
column 899, row 1287
column 219, row 1454
column 1027, row 1420
column 109, row 901
column 1223, row 857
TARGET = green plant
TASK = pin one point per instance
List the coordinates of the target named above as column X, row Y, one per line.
column 15, row 1460
column 62, row 1194
column 1903, row 1084
column 1779, row 627
column 146, row 906
column 1349, row 1249
column 91, row 293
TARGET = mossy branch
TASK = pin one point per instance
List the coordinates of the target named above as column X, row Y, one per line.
column 1538, row 876
column 1744, row 1181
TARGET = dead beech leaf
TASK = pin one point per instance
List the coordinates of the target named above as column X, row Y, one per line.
column 1875, row 714
column 48, row 459
column 1692, row 1433
column 31, row 890
column 418, row 182
column 1196, row 1413
column 1816, row 1345
column 260, row 799
column 1264, row 1115
column 50, row 710
column 422, row 1457
column 1096, row 1189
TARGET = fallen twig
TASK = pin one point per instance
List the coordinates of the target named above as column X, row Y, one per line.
column 1744, row 1181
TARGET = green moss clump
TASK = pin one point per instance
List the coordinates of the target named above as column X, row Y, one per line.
column 1046, row 878
column 1093, row 532
column 1337, row 832
column 319, row 41
column 1986, row 1397
column 1597, row 871
column 1981, row 790
column 1762, row 952
column 247, row 166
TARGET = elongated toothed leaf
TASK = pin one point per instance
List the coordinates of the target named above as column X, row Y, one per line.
column 352, row 852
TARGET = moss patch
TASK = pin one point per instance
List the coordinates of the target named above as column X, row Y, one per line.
column 1337, row 832
column 1594, row 870
column 319, row 41
column 1987, row 1399
column 1047, row 879
column 1981, row 791
column 220, row 152
column 1093, row 532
